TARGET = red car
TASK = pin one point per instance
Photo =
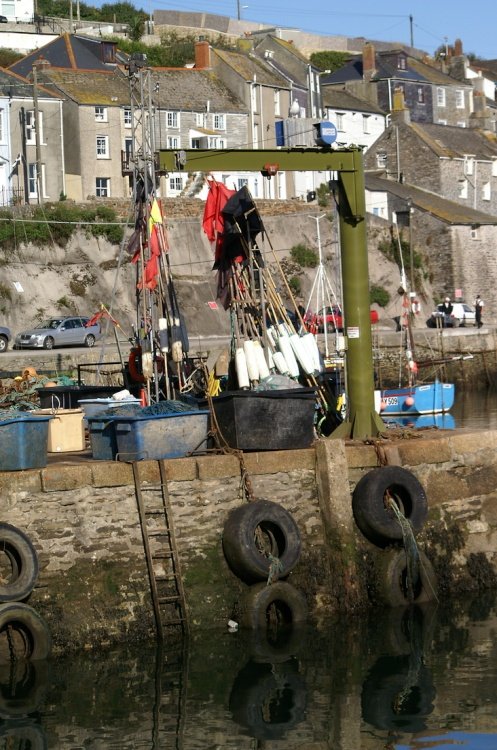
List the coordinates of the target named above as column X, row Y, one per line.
column 332, row 316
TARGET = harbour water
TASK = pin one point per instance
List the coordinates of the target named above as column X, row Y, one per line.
column 413, row 678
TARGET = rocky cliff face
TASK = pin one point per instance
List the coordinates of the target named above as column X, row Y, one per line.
column 40, row 282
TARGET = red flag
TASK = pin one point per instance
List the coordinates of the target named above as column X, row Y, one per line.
column 213, row 220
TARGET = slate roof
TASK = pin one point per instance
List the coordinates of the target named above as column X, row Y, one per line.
column 67, row 51
column 189, row 89
column 249, row 66
column 16, row 86
column 106, row 88
column 338, row 98
column 447, row 211
column 386, row 67
column 453, row 142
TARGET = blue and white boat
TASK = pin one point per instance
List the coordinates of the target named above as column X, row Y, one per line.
column 422, row 398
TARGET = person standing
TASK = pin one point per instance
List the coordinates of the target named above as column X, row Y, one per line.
column 478, row 310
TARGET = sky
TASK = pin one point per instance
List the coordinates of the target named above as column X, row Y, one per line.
column 434, row 22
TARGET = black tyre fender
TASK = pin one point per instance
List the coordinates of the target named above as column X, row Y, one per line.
column 391, row 572
column 374, row 517
column 23, row 630
column 23, row 733
column 276, row 647
column 23, row 687
column 280, row 605
column 268, row 701
column 409, row 629
column 279, row 533
column 398, row 694
column 20, row 573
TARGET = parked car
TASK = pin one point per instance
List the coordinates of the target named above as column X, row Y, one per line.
column 333, row 318
column 4, row 19
column 69, row 331
column 462, row 315
column 5, row 336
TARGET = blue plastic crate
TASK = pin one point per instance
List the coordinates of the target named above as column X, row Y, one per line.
column 23, row 442
column 160, row 436
column 102, row 437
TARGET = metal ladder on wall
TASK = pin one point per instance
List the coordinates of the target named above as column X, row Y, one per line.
column 159, row 541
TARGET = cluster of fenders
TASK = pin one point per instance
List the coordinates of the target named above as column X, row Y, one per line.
column 262, row 545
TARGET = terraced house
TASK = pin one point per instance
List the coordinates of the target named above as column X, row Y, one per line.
column 31, row 152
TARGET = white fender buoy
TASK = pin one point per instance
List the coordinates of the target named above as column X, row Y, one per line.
column 163, row 336
column 280, row 363
column 287, row 351
column 271, row 334
column 261, row 361
column 270, row 360
column 250, row 358
column 309, row 341
column 177, row 351
column 147, row 365
column 302, row 355
column 241, row 369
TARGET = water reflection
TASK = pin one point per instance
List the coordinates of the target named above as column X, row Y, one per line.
column 475, row 410
column 406, row 678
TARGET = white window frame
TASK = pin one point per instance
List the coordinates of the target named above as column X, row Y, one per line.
column 102, row 190
column 173, row 141
column 2, row 124
column 175, row 183
column 33, row 180
column 101, row 114
column 401, row 63
column 253, row 97
column 172, row 120
column 127, row 117
column 494, row 168
column 486, row 191
column 463, row 189
column 340, row 117
column 219, row 121
column 30, row 121
column 460, row 104
column 200, row 119
column 469, row 165
column 440, row 96
column 421, row 95
column 474, row 233
column 242, row 182
column 102, row 147
column 381, row 160
column 366, row 124
column 277, row 103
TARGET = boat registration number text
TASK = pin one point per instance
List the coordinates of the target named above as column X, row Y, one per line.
column 391, row 400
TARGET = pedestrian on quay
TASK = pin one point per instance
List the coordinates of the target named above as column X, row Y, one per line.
column 478, row 303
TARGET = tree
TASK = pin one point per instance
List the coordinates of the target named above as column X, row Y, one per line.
column 329, row 60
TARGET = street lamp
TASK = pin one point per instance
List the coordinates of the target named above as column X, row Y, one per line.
column 239, row 9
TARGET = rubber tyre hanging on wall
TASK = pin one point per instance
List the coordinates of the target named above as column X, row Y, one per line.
column 370, row 503
column 391, row 579
column 269, row 701
column 19, row 564
column 273, row 607
column 255, row 534
column 23, row 633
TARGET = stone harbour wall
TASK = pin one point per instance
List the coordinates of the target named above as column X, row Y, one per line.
column 93, row 586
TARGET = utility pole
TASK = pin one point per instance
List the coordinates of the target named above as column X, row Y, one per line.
column 410, row 26
column 39, row 187
column 22, row 117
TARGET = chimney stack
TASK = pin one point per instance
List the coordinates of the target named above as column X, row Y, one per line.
column 202, row 55
column 368, row 61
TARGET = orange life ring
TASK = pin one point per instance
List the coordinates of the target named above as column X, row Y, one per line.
column 133, row 365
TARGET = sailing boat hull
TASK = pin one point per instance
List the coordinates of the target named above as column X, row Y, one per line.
column 428, row 398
